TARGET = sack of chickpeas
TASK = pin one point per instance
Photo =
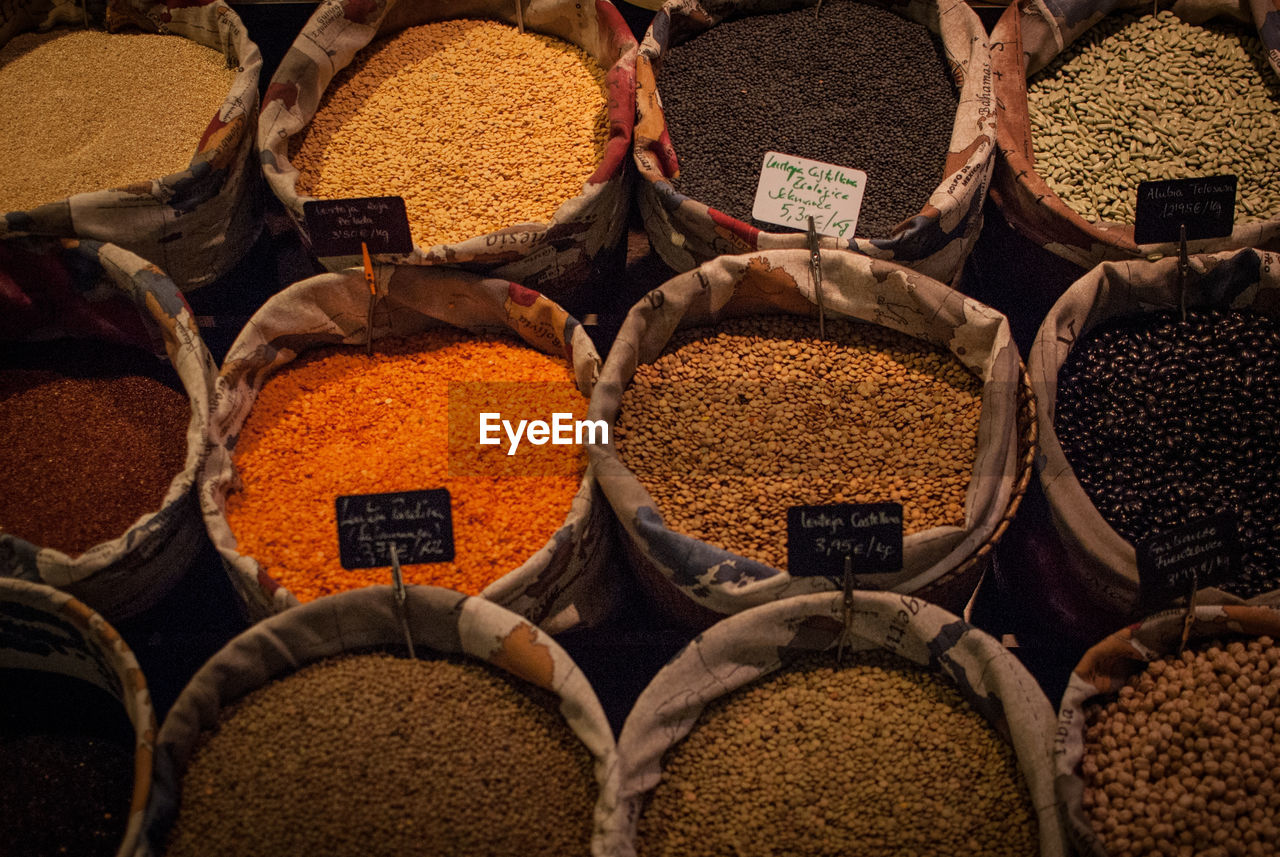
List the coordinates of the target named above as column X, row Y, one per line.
column 886, row 726
column 508, row 145
column 102, row 438
column 1099, row 97
column 350, row 726
column 141, row 135
column 1163, row 749
column 1150, row 420
column 726, row 409
column 306, row 412
column 899, row 90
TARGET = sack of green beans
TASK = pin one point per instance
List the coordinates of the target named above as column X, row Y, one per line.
column 893, row 727
column 1163, row 747
column 1101, row 95
column 103, row 439
column 1149, row 421
column 141, row 135
column 900, row 90
column 507, row 146
column 316, row 731
column 76, row 728
column 726, row 410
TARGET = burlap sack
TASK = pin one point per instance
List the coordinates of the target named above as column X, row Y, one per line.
column 94, row 290
column 698, row 583
column 749, row 646
column 686, row 232
column 195, row 224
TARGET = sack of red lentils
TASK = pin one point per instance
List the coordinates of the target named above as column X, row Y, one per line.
column 1096, row 96
column 885, row 726
column 141, row 135
column 103, row 438
column 727, row 410
column 1159, row 745
column 1150, row 421
column 899, row 90
column 508, row 146
column 488, row 739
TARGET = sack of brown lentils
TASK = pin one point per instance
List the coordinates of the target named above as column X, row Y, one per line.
column 103, row 441
column 169, row 90
column 789, row 725
column 1097, row 95
column 509, row 148
column 900, row 90
column 393, row 752
column 726, row 410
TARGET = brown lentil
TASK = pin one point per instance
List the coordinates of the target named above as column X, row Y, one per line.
column 731, row 425
column 476, row 125
column 86, row 110
column 1184, row 759
column 879, row 757
column 376, row 755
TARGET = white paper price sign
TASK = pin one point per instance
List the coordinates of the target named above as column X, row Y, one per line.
column 791, row 190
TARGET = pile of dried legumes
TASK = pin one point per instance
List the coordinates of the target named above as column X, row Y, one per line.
column 1185, row 759
column 337, row 421
column 372, row 754
column 86, row 110
column 476, row 125
column 854, row 85
column 733, row 424
column 876, row 758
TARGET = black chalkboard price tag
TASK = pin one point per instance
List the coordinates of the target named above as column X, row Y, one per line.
column 820, row 537
column 1207, row 549
column 337, row 227
column 419, row 523
column 1207, row 206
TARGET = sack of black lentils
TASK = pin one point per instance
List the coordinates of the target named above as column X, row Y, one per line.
column 103, row 439
column 508, row 147
column 891, row 728
column 488, row 740
column 899, row 90
column 1160, row 745
column 1149, row 421
column 76, row 726
column 141, row 135
column 1099, row 96
column 726, row 409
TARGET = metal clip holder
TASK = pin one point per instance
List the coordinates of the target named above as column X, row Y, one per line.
column 815, row 275
column 399, row 598
column 846, row 610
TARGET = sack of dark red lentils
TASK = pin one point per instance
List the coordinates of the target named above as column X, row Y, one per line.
column 899, row 90
column 103, row 438
column 891, row 727
column 1096, row 96
column 141, row 134
column 508, row 147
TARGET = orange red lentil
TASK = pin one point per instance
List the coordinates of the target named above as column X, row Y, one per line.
column 338, row 421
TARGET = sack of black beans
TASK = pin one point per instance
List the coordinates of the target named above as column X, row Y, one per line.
column 169, row 90
column 103, row 438
column 1150, row 421
column 726, row 410
column 488, row 739
column 76, row 726
column 888, row 726
column 1104, row 95
column 508, row 146
column 899, row 90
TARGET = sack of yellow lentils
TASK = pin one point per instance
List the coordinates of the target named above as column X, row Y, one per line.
column 1096, row 96
column 142, row 135
column 508, row 146
column 885, row 726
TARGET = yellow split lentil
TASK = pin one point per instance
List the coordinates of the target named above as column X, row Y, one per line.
column 475, row 124
column 337, row 421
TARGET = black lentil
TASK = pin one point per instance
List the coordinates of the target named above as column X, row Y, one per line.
column 855, row 85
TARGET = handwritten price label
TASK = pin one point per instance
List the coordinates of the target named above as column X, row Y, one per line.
column 820, row 537
column 418, row 523
column 792, row 189
column 1207, row 207
column 1207, row 551
column 338, row 227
